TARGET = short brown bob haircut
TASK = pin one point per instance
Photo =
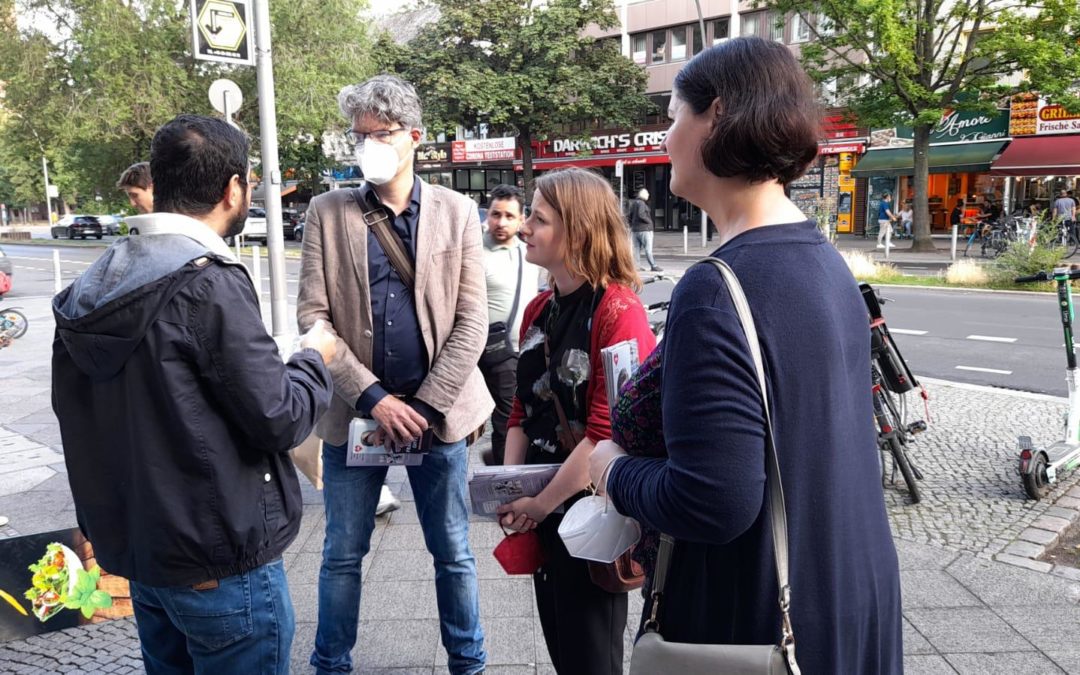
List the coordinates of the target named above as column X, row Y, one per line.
column 595, row 244
column 768, row 124
column 136, row 175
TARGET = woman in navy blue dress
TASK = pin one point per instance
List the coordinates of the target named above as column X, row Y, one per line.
column 745, row 125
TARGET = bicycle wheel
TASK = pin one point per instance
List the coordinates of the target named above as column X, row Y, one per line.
column 1072, row 246
column 15, row 321
column 898, row 449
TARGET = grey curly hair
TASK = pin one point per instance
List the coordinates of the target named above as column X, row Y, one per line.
column 384, row 97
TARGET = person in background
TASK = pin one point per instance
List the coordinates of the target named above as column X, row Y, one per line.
column 512, row 282
column 745, row 123
column 561, row 410
column 906, row 216
column 137, row 183
column 639, row 218
column 885, row 220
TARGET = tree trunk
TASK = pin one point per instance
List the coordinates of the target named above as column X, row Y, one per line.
column 921, row 208
column 524, row 141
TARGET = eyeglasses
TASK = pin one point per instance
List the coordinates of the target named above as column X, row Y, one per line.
column 382, row 136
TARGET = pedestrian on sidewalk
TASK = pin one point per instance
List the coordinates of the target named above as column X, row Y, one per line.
column 701, row 477
column 640, row 219
column 512, row 282
column 885, row 220
column 560, row 412
column 136, row 182
column 396, row 268
column 177, row 414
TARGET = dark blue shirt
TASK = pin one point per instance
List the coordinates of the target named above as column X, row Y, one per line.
column 883, row 210
column 398, row 357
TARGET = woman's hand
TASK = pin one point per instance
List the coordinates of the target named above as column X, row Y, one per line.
column 601, row 456
column 523, row 514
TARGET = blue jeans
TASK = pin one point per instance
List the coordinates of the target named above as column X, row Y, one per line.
column 245, row 625
column 643, row 242
column 350, row 495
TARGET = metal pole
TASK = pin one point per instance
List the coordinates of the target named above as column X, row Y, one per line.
column 704, row 226
column 256, row 271
column 685, row 240
column 275, row 239
column 954, row 233
column 48, row 200
column 58, row 282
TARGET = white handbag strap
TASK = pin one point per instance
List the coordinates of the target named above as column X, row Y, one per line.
column 777, row 512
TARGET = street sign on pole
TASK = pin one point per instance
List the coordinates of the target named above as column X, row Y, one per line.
column 221, row 31
column 226, row 97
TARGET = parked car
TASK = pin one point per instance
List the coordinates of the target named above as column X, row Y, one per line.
column 6, row 267
column 290, row 218
column 77, row 226
column 111, row 224
column 298, row 231
column 254, row 227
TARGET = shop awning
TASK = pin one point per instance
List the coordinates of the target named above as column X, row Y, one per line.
column 1040, row 156
column 958, row 158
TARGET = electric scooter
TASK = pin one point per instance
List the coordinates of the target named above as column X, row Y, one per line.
column 1040, row 468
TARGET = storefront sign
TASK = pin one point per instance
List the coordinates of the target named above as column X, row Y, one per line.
column 606, row 144
column 483, row 150
column 956, row 126
column 1030, row 116
column 839, row 126
column 840, row 149
column 432, row 153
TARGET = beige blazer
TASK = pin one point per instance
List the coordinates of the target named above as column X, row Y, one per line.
column 450, row 297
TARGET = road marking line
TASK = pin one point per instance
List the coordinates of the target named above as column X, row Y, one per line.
column 905, row 331
column 991, row 338
column 985, row 370
column 40, row 259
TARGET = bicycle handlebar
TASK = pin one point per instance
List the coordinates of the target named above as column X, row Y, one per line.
column 1072, row 273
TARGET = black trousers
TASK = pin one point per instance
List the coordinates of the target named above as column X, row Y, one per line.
column 584, row 625
column 501, row 380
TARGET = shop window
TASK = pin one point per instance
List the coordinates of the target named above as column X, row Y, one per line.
column 637, row 48
column 476, row 179
column 678, row 43
column 659, row 46
column 508, row 178
column 461, row 179
column 721, row 30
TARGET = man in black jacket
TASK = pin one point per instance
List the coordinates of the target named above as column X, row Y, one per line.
column 177, row 415
column 641, row 229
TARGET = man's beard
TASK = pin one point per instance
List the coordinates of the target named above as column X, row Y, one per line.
column 236, row 223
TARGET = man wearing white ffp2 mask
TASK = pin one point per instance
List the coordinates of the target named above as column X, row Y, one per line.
column 403, row 290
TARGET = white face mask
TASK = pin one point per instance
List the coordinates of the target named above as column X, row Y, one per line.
column 378, row 161
column 593, row 530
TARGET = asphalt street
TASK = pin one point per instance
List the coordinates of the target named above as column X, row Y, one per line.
column 1009, row 340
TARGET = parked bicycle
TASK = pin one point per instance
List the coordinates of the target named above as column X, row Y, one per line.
column 657, row 311
column 13, row 323
column 891, row 382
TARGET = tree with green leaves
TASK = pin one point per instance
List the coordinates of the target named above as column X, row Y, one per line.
column 522, row 66
column 909, row 61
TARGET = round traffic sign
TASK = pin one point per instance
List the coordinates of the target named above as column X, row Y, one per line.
column 225, row 96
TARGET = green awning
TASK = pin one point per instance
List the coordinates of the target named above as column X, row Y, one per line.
column 959, row 158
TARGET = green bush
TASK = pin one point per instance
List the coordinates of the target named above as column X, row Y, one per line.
column 123, row 229
column 1020, row 260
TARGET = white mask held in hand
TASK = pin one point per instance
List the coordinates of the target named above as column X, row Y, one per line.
column 593, row 530
column 378, row 161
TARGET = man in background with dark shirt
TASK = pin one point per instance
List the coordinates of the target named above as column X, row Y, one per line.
column 411, row 320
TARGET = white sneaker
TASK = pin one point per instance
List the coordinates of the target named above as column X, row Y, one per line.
column 3, row 521
column 881, row 245
column 387, row 502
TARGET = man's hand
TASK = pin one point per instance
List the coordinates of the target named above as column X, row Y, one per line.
column 523, row 514
column 399, row 420
column 321, row 340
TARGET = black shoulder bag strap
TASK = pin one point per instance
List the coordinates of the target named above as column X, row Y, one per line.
column 389, row 240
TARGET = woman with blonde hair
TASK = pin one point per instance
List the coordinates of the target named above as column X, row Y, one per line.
column 576, row 232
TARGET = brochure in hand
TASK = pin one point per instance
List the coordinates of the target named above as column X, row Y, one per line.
column 620, row 361
column 492, row 486
column 362, row 453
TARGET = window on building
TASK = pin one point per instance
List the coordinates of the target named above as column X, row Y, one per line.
column 751, row 24
column 695, row 41
column 775, row 26
column 721, row 30
column 800, row 28
column 678, row 43
column 461, row 179
column 658, row 115
column 825, row 26
column 637, row 48
column 659, row 46
column 476, row 179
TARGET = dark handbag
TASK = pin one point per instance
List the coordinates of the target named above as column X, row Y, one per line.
column 500, row 347
column 652, row 654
